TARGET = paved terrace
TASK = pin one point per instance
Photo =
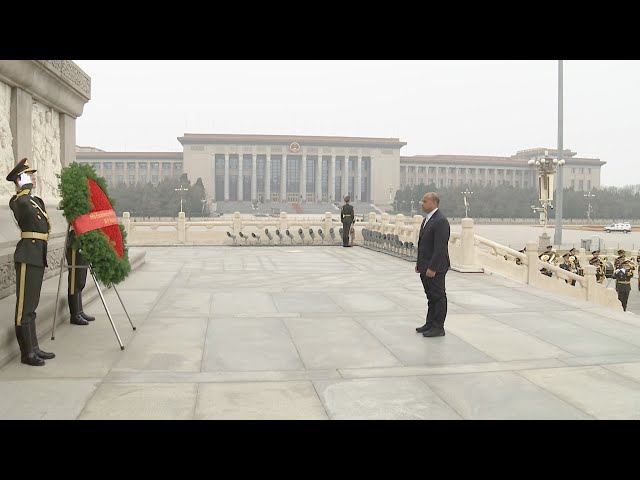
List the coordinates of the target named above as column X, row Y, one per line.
column 327, row 333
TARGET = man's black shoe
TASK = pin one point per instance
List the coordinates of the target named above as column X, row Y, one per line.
column 78, row 320
column 423, row 328
column 434, row 332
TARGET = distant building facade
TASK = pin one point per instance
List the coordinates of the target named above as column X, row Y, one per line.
column 287, row 168
column 581, row 174
column 132, row 167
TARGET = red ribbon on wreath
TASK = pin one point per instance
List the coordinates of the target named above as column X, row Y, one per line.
column 100, row 217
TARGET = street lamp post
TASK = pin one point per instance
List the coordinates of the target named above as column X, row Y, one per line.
column 560, row 181
column 181, row 190
column 412, row 208
column 546, row 169
column 589, row 195
column 390, row 193
column 466, row 194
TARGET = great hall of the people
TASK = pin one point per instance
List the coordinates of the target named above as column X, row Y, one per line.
column 294, row 168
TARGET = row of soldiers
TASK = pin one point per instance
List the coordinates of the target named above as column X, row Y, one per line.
column 623, row 268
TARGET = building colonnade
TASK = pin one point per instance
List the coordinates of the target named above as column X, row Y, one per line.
column 290, row 178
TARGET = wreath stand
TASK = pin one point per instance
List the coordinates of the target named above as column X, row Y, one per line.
column 95, row 280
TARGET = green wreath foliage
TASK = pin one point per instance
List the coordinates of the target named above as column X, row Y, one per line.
column 108, row 267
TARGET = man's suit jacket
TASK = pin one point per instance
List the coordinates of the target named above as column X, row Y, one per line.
column 433, row 244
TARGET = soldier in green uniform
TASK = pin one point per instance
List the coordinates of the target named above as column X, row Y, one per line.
column 623, row 272
column 346, row 217
column 76, row 282
column 597, row 262
column 30, row 258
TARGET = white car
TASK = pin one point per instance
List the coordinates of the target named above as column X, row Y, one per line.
column 618, row 227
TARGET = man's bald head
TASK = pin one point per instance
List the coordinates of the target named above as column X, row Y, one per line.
column 430, row 201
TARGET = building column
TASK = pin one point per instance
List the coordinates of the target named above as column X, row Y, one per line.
column 438, row 176
column 267, row 178
column 319, row 179
column 303, row 179
column 226, row 177
column 213, row 177
column 331, row 190
column 283, row 178
column 345, row 176
column 495, row 177
column 240, row 179
column 358, row 189
column 68, row 139
column 254, row 177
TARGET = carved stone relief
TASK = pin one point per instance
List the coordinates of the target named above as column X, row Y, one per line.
column 46, row 151
column 6, row 141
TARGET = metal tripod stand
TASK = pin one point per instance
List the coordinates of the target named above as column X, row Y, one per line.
column 95, row 280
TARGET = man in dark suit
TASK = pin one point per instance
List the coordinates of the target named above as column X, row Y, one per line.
column 346, row 217
column 30, row 258
column 433, row 264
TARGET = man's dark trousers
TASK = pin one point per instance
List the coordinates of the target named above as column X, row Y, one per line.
column 346, row 230
column 434, row 288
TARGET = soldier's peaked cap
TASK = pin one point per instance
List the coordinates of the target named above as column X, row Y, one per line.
column 621, row 252
column 549, row 247
column 21, row 167
column 595, row 252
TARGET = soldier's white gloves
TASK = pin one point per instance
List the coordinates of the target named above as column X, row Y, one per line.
column 23, row 179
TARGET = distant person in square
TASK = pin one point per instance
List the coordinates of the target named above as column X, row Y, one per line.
column 433, row 263
column 346, row 217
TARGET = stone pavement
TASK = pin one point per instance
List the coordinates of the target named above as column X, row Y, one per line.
column 328, row 333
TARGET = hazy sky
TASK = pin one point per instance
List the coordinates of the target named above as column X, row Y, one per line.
column 483, row 107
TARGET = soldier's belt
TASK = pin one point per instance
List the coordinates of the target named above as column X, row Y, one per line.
column 36, row 235
column 623, row 283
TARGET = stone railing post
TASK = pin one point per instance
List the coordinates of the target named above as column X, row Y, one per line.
column 237, row 222
column 284, row 221
column 417, row 223
column 327, row 221
column 385, row 221
column 399, row 224
column 182, row 231
column 373, row 219
column 590, row 276
column 126, row 222
column 467, row 241
column 532, row 256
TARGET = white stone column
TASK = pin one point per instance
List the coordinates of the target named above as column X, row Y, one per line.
column 213, row 177
column 345, row 176
column 240, row 174
column 319, row 179
column 67, row 140
column 358, row 189
column 283, row 178
column 267, row 178
column 226, row 176
column 331, row 190
column 254, row 177
column 303, row 179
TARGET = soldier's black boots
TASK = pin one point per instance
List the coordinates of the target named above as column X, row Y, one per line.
column 88, row 318
column 36, row 348
column 27, row 355
column 74, row 308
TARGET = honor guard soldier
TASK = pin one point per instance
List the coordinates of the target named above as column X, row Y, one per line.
column 548, row 256
column 346, row 217
column 568, row 265
column 573, row 257
column 76, row 282
column 597, row 262
column 623, row 273
column 30, row 259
